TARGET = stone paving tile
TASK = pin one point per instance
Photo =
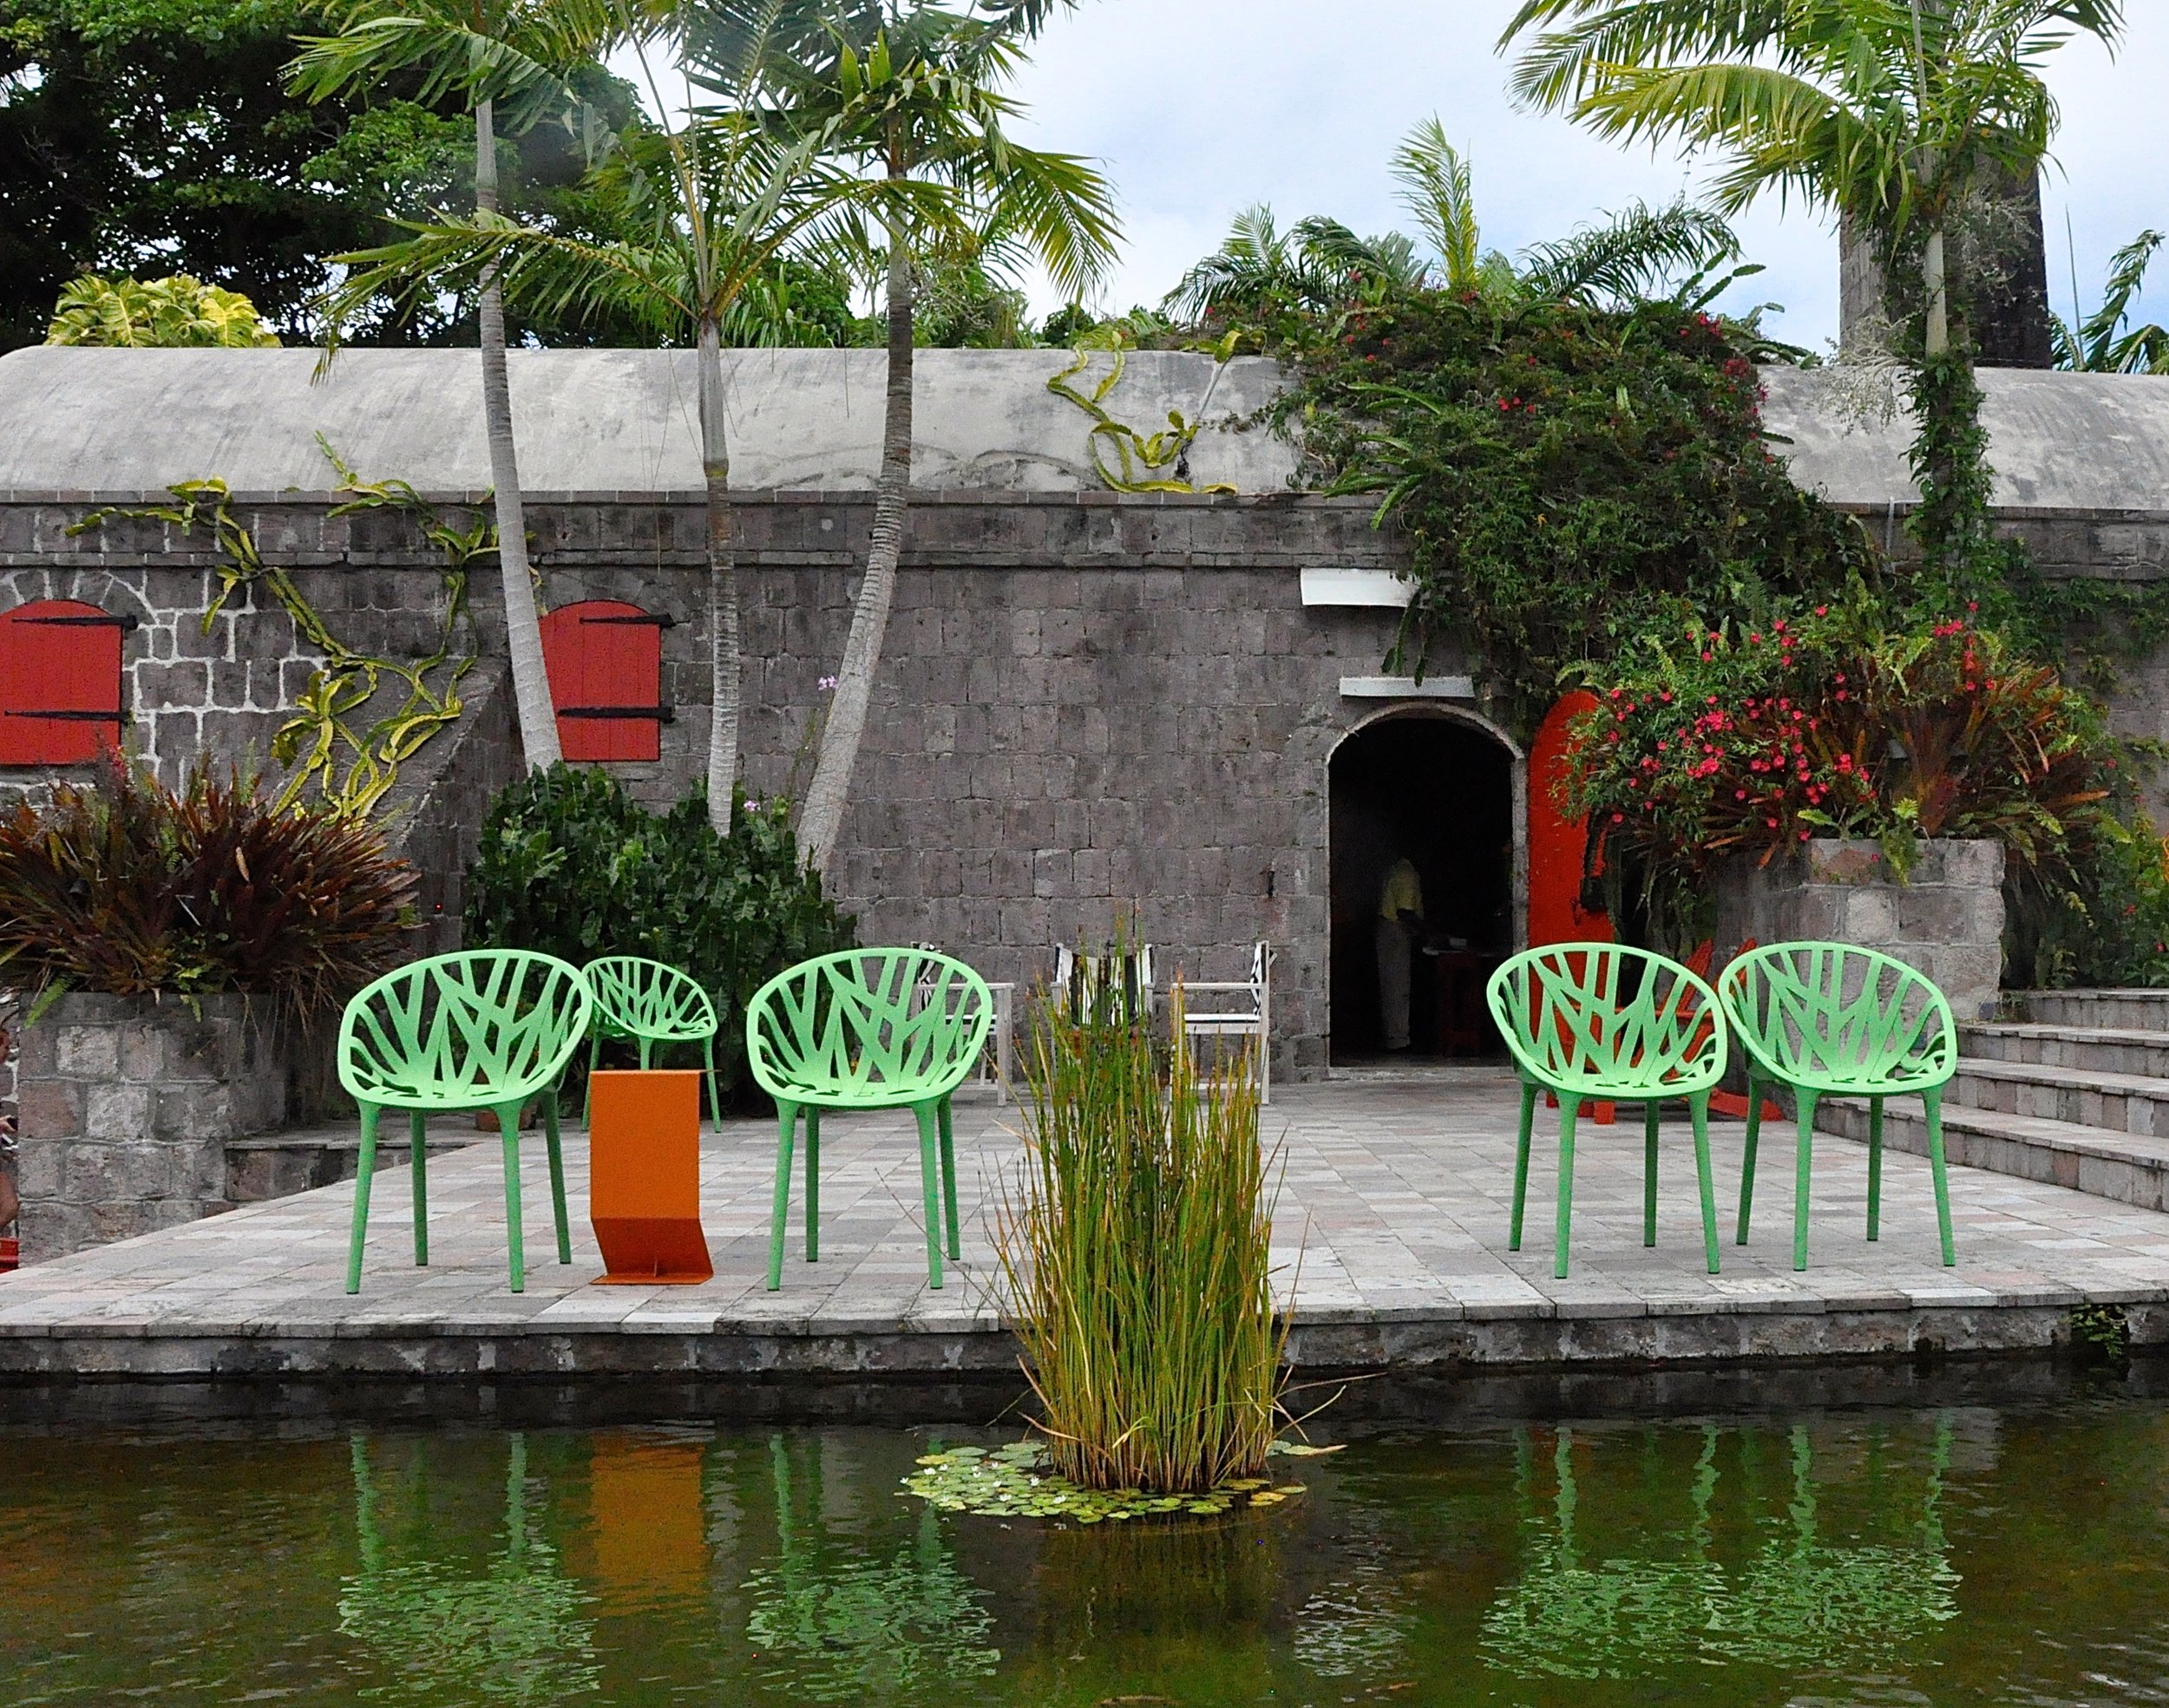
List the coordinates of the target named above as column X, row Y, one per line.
column 1393, row 1207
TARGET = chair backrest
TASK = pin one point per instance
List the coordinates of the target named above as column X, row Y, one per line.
column 1088, row 984
column 487, row 1024
column 869, row 1020
column 1834, row 1015
column 638, row 998
column 1575, row 1013
column 1261, row 965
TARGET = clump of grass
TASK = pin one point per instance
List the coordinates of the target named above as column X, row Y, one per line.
column 1137, row 1252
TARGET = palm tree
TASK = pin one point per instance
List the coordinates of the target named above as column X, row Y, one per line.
column 2100, row 343
column 723, row 195
column 1890, row 113
column 912, row 92
column 1318, row 265
column 522, row 53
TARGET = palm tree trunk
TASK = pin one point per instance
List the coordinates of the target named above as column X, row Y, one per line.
column 523, row 627
column 822, row 820
column 723, row 584
column 1935, row 278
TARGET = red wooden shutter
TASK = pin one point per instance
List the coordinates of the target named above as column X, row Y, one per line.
column 60, row 683
column 604, row 659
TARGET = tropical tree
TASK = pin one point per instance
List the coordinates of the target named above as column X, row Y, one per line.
column 1316, row 265
column 2105, row 341
column 911, row 94
column 723, row 197
column 179, row 312
column 523, row 54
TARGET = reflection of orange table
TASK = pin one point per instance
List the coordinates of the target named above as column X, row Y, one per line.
column 1465, row 1024
column 644, row 1176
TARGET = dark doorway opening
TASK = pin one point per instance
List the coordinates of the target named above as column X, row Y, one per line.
column 1438, row 794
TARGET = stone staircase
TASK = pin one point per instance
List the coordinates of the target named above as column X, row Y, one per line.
column 2072, row 1087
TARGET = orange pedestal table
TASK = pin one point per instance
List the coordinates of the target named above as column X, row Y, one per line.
column 643, row 1177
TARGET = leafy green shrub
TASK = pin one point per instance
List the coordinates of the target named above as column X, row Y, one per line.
column 572, row 865
column 129, row 888
column 1723, row 743
column 1138, row 1257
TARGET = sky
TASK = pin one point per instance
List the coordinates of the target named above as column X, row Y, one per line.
column 1196, row 108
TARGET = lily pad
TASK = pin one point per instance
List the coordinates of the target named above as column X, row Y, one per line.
column 1016, row 1480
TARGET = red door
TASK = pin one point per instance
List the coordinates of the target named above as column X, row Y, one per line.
column 1557, row 845
column 60, row 683
column 604, row 659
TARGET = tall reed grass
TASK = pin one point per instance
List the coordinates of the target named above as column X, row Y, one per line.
column 1137, row 1254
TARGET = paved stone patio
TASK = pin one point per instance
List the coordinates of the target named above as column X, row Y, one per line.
column 1391, row 1229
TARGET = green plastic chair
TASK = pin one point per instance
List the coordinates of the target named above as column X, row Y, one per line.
column 1602, row 1023
column 650, row 1003
column 1830, row 1019
column 491, row 1028
column 868, row 1028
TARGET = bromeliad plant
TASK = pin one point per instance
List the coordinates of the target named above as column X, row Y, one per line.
column 1137, row 1256
column 1744, row 739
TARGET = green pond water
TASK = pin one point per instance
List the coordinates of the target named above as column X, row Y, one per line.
column 1970, row 1555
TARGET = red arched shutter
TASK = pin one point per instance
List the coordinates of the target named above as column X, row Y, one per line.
column 60, row 683
column 604, row 659
column 1558, row 846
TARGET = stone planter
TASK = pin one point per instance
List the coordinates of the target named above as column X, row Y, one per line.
column 126, row 1105
column 1947, row 921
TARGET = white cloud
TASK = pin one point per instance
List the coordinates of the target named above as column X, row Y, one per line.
column 1198, row 107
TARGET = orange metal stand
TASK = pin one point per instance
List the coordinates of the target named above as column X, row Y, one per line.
column 643, row 1177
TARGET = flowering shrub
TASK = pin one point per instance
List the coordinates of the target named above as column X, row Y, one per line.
column 1741, row 740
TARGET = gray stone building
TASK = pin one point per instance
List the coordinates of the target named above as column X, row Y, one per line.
column 1090, row 701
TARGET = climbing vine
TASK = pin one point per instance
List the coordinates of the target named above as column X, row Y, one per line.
column 350, row 769
column 1142, row 455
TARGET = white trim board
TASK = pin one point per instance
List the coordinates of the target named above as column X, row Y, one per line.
column 1350, row 588
column 1408, row 688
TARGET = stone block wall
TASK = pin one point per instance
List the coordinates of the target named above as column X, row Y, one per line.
column 126, row 1105
column 1946, row 921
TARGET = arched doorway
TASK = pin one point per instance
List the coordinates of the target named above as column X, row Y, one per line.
column 1437, row 789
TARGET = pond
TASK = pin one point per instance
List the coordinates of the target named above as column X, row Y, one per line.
column 1969, row 1554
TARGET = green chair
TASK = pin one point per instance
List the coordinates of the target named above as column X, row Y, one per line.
column 868, row 1028
column 493, row 1030
column 1602, row 1023
column 651, row 1003
column 1829, row 1019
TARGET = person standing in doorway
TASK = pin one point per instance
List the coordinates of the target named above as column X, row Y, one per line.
column 1400, row 918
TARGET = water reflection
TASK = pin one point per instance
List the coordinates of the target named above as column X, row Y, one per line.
column 1797, row 1603
column 513, row 1634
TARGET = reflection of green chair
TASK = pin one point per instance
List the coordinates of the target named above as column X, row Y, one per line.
column 651, row 1003
column 1597, row 1022
column 1829, row 1019
column 513, row 1635
column 491, row 1030
column 868, row 1028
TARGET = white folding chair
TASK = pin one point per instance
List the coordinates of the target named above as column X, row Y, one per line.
column 1083, row 980
column 1238, row 1008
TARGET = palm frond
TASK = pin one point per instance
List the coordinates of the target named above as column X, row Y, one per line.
column 1438, row 189
column 1635, row 254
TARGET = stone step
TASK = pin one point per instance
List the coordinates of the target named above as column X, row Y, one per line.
column 278, row 1165
column 2136, row 1103
column 2129, row 1010
column 2097, row 1049
column 2119, row 1166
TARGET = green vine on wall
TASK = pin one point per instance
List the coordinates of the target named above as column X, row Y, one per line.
column 350, row 769
column 1141, row 455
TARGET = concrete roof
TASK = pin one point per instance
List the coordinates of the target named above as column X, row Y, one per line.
column 624, row 420
column 2057, row 441
column 592, row 420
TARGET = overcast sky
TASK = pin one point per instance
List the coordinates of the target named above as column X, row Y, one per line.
column 1196, row 108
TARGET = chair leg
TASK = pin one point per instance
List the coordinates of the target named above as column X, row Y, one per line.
column 418, row 1166
column 786, row 1114
column 1521, row 1162
column 508, row 1126
column 813, row 1186
column 949, row 1177
column 1806, row 1100
column 587, row 1102
column 929, row 1192
column 1649, row 1173
column 1875, row 1168
column 1570, row 1106
column 363, row 1177
column 1698, row 1112
column 715, row 1086
column 647, row 1054
column 1748, row 1166
column 557, row 1174
column 1932, row 1101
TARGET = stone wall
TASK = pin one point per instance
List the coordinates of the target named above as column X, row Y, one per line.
column 1946, row 921
column 126, row 1107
